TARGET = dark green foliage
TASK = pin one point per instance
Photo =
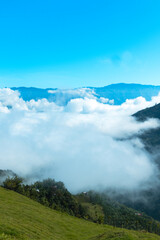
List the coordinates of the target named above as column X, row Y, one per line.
column 151, row 205
column 151, row 138
column 22, row 218
column 56, row 196
column 14, row 184
column 152, row 112
column 91, row 205
column 119, row 215
column 47, row 192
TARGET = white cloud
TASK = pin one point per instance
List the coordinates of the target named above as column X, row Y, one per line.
column 75, row 143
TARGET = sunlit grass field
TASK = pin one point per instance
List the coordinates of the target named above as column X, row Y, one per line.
column 23, row 218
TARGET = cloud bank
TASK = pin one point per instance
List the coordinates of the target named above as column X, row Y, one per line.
column 78, row 143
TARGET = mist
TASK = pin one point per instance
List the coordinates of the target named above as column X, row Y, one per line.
column 86, row 143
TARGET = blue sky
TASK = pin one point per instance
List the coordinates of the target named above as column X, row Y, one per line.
column 79, row 43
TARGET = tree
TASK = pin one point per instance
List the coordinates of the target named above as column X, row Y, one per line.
column 14, row 184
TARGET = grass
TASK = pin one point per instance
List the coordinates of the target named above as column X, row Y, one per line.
column 94, row 211
column 23, row 218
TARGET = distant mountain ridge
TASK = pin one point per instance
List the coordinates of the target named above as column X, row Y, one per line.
column 119, row 92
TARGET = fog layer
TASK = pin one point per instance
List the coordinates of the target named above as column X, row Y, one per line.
column 79, row 143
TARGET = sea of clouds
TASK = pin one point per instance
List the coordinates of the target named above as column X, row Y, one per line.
column 87, row 144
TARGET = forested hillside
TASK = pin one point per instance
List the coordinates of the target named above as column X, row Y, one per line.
column 23, row 218
column 147, row 201
column 91, row 206
column 151, row 138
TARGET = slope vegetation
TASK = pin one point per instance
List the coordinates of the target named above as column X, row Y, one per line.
column 93, row 206
column 151, row 138
column 23, row 218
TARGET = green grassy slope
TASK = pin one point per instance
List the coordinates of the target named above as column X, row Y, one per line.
column 23, row 218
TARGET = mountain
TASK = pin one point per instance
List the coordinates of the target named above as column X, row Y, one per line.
column 151, row 112
column 148, row 200
column 23, row 218
column 117, row 92
column 120, row 92
column 151, row 138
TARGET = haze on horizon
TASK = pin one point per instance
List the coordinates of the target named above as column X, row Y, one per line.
column 71, row 44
